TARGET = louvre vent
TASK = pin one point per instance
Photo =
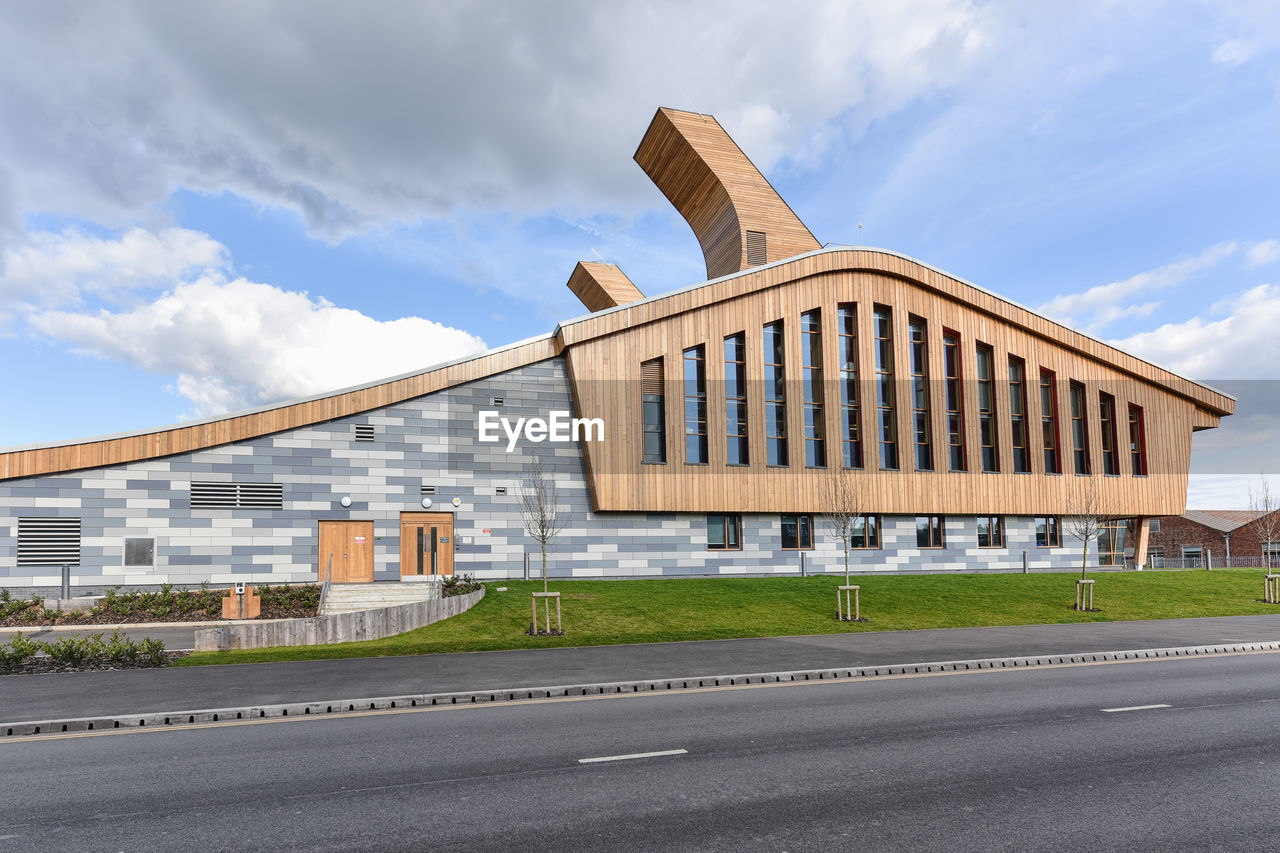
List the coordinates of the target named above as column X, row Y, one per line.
column 364, row 432
column 48, row 541
column 756, row 253
column 428, row 490
column 651, row 377
column 501, row 490
column 496, row 401
column 237, row 496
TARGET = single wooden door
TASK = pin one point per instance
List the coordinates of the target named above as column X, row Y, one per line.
column 426, row 543
column 350, row 544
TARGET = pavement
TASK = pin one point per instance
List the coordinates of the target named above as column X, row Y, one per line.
column 1171, row 755
column 94, row 694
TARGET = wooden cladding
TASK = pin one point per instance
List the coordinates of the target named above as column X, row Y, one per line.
column 864, row 326
column 719, row 192
column 600, row 286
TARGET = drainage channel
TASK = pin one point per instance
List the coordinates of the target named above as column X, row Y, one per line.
column 658, row 685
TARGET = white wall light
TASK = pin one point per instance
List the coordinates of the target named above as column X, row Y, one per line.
column 346, row 500
column 426, row 503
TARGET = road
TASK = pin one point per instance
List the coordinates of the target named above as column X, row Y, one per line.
column 998, row 760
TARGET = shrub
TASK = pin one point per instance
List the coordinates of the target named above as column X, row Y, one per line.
column 122, row 649
column 152, row 651
column 74, row 651
column 454, row 585
column 17, row 652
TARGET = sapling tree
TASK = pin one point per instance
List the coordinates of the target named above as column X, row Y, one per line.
column 540, row 509
column 1087, row 516
column 844, row 502
column 1267, row 525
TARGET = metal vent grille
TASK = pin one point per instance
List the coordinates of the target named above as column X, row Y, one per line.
column 501, row 490
column 496, row 401
column 651, row 377
column 756, row 253
column 48, row 541
column 364, row 432
column 237, row 496
column 428, row 490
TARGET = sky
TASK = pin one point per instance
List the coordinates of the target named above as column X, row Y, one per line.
column 208, row 207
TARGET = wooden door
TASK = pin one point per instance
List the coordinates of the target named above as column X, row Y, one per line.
column 351, row 545
column 426, row 543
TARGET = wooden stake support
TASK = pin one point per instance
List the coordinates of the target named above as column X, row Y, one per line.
column 546, row 607
column 1271, row 588
column 842, row 603
column 1084, row 595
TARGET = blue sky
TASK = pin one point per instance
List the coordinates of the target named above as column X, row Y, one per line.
column 206, row 207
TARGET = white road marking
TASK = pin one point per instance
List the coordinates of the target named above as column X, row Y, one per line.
column 1134, row 708
column 632, row 755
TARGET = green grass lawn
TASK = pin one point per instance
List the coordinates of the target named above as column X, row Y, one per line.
column 659, row 611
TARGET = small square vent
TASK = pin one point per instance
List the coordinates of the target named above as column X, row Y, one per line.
column 756, row 251
column 364, row 432
column 496, row 401
column 428, row 490
column 500, row 490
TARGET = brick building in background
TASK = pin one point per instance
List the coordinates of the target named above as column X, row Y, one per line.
column 1230, row 537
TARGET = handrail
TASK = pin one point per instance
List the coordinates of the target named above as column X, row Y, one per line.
column 324, row 587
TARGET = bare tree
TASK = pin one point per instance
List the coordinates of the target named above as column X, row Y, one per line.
column 1267, row 525
column 1087, row 515
column 844, row 500
column 539, row 507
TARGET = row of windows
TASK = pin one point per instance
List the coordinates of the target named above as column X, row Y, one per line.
column 724, row 531
column 1020, row 414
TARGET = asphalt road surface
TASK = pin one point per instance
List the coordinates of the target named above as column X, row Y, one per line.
column 1071, row 758
column 174, row 638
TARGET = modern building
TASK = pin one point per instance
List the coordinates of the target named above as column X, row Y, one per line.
column 713, row 422
column 1215, row 537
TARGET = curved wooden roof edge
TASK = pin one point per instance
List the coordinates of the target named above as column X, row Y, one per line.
column 79, row 454
column 886, row 261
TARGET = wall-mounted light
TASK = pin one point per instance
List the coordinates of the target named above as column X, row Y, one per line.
column 457, row 501
column 346, row 500
column 426, row 503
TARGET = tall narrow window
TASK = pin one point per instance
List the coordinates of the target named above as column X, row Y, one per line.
column 695, row 405
column 955, row 401
column 1107, row 421
column 850, row 410
column 724, row 531
column 1137, row 441
column 735, row 398
column 928, row 531
column 1079, row 430
column 653, row 403
column 815, row 433
column 866, row 532
column 922, row 430
column 775, row 395
column 987, row 408
column 885, row 403
column 990, row 531
column 1018, row 416
column 797, row 531
column 1049, row 421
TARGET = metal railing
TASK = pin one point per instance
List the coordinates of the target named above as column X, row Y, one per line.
column 324, row 587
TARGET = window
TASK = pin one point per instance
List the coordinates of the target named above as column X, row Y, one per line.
column 1192, row 556
column 1155, row 558
column 851, row 411
column 1079, row 430
column 654, row 404
column 48, row 541
column 1049, row 421
column 928, row 531
column 237, row 496
column 695, row 405
column 1111, row 542
column 1154, row 526
column 1137, row 441
column 797, row 531
column 139, row 552
column 987, row 408
column 1107, row 419
column 866, row 532
column 1271, row 553
column 990, row 531
column 1018, row 416
column 888, row 420
column 775, row 396
column 922, row 430
column 955, row 401
column 735, row 399
column 815, row 433
column 724, row 531
column 1048, row 532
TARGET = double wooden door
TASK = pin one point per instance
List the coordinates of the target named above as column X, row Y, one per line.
column 347, row 546
column 426, row 543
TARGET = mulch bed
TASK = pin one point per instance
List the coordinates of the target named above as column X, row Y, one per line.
column 44, row 664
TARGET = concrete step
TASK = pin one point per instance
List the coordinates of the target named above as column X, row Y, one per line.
column 349, row 598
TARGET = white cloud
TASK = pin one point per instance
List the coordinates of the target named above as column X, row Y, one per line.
column 359, row 120
column 1234, row 52
column 1266, row 252
column 48, row 268
column 234, row 344
column 1106, row 303
column 1241, row 345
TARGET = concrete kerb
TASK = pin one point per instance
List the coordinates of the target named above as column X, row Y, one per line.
column 172, row 719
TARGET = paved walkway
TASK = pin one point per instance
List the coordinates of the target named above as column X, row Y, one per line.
column 70, row 695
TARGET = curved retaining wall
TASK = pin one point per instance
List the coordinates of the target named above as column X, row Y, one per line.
column 338, row 628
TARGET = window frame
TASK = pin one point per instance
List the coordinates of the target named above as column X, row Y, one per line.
column 953, row 381
column 1050, row 436
column 876, row 523
column 1080, row 456
column 802, row 522
column 775, row 383
column 921, row 404
column 1019, row 416
column 886, row 398
column 1138, row 447
column 695, row 428
column 984, row 354
column 736, row 382
column 1052, row 524
column 659, row 406
column 815, row 428
column 1107, row 425
column 934, row 524
column 726, row 526
column 853, row 452
column 994, row 522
